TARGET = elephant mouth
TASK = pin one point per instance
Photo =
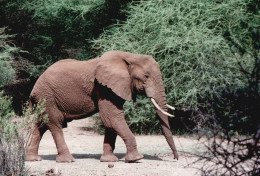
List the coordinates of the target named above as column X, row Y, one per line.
column 140, row 91
column 160, row 109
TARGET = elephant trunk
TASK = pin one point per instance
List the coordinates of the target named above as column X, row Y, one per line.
column 160, row 100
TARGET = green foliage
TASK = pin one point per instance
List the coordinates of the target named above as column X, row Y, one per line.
column 5, row 107
column 14, row 135
column 241, row 107
column 62, row 21
column 7, row 51
column 189, row 40
column 48, row 28
column 140, row 116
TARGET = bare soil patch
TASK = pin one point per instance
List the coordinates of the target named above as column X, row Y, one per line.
column 86, row 146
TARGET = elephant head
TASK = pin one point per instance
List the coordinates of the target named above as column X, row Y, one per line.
column 127, row 74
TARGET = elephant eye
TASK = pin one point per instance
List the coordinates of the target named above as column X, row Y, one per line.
column 146, row 76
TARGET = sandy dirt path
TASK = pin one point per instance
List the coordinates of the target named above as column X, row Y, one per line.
column 86, row 147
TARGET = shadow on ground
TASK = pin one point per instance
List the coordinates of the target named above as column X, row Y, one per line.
column 97, row 156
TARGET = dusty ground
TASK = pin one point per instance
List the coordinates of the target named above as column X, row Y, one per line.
column 86, row 147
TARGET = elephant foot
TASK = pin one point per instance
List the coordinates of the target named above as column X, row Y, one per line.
column 108, row 158
column 65, row 158
column 133, row 157
column 31, row 157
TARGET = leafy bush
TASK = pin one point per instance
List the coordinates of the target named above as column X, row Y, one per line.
column 45, row 28
column 188, row 40
column 7, row 72
column 14, row 135
column 229, row 153
column 48, row 28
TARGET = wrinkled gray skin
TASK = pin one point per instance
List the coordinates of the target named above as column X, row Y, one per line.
column 76, row 89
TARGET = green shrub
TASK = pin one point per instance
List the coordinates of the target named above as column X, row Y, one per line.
column 14, row 135
column 140, row 116
column 240, row 108
column 187, row 38
column 7, row 51
column 47, row 29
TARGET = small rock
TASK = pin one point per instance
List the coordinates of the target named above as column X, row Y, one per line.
column 110, row 165
column 53, row 172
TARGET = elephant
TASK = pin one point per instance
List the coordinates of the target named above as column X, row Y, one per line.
column 75, row 89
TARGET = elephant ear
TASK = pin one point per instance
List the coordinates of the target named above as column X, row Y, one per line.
column 112, row 71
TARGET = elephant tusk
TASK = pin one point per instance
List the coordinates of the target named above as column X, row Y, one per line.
column 170, row 107
column 158, row 107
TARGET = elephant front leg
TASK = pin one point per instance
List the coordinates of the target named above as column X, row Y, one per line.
column 112, row 115
column 109, row 146
column 121, row 127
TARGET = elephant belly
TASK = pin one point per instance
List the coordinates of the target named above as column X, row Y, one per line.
column 76, row 105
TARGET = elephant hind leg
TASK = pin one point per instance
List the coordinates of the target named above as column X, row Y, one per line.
column 34, row 142
column 109, row 146
column 62, row 148
column 55, row 125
